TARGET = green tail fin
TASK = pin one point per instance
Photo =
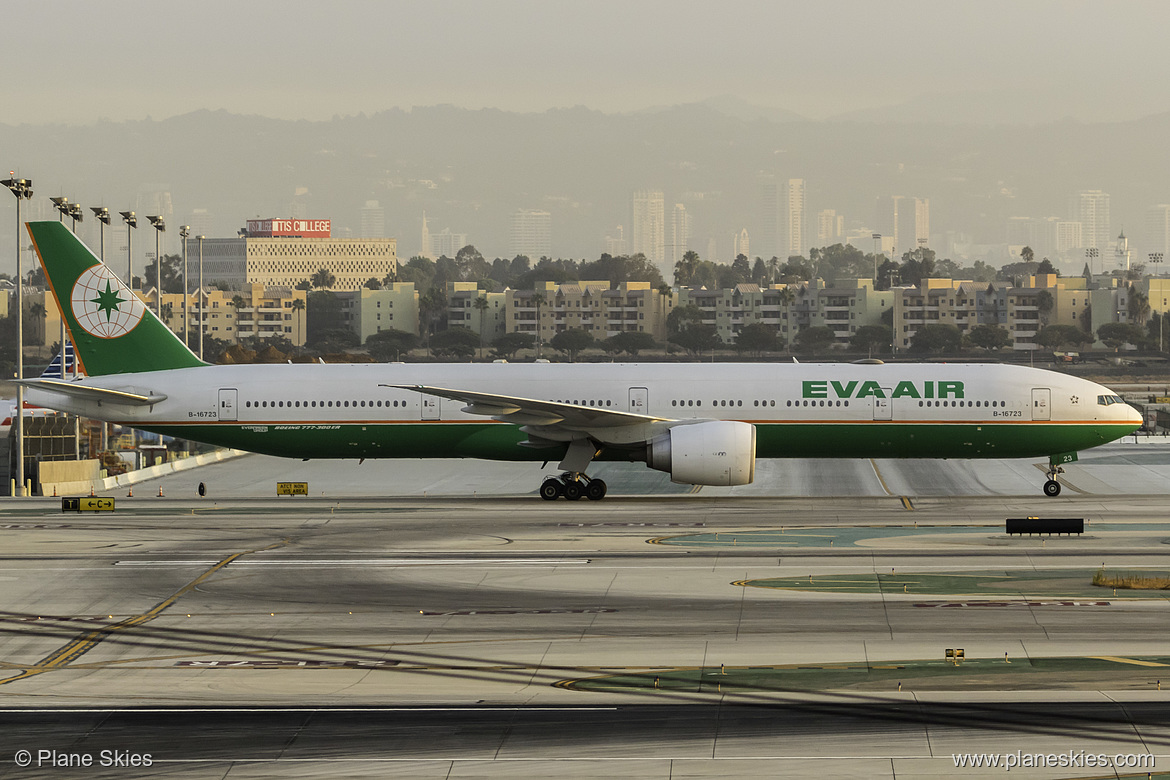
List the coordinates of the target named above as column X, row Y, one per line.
column 112, row 330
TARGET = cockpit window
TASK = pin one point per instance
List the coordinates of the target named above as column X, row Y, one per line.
column 1108, row 400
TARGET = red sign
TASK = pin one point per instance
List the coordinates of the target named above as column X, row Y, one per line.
column 300, row 228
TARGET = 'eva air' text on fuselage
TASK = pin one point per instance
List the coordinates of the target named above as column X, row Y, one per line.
column 858, row 389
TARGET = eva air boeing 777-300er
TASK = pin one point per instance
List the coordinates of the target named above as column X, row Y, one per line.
column 704, row 424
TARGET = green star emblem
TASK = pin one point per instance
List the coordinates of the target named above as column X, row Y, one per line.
column 107, row 301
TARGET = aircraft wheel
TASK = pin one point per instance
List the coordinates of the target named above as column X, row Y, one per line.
column 596, row 489
column 551, row 489
column 1052, row 488
column 574, row 490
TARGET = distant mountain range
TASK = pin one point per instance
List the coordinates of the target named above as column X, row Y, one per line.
column 470, row 169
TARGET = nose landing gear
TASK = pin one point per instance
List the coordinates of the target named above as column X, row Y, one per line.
column 573, row 485
column 1052, row 487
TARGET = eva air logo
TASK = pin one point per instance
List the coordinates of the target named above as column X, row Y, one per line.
column 102, row 306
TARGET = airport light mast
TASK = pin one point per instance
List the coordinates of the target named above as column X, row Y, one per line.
column 22, row 189
column 184, row 232
column 131, row 222
column 160, row 226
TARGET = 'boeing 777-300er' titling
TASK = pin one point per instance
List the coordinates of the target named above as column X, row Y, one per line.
column 704, row 424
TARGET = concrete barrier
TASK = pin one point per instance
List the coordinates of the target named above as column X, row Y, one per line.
column 163, row 469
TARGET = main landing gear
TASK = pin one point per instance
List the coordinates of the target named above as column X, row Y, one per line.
column 572, row 485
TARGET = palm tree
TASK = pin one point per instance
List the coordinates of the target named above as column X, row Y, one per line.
column 1139, row 306
column 773, row 266
column 298, row 306
column 538, row 300
column 787, row 298
column 323, row 278
column 481, row 305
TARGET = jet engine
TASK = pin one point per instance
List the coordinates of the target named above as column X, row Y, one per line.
column 720, row 452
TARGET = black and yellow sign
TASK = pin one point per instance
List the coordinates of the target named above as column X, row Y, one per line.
column 88, row 504
column 292, row 488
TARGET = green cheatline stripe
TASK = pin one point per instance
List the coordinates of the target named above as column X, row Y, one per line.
column 1064, row 583
column 495, row 441
column 970, row 673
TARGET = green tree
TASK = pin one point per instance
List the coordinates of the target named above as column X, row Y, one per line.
column 1057, row 336
column 872, row 339
column 946, row 339
column 571, row 341
column 629, row 341
column 1139, row 306
column 684, row 269
column 1045, row 303
column 454, row 342
column 815, row 339
column 918, row 265
column 323, row 313
column 372, row 284
column 989, row 337
column 757, row 338
column 387, row 345
column 508, row 344
column 1117, row 334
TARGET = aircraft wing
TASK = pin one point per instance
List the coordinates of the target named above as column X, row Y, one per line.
column 531, row 412
column 91, row 393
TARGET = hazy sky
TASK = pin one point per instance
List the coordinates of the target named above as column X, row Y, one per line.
column 81, row 61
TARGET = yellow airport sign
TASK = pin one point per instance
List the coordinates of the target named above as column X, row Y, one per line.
column 292, row 488
column 89, row 504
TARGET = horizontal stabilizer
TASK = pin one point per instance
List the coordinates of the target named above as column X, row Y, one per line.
column 91, row 393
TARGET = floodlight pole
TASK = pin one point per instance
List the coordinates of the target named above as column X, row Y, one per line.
column 199, row 295
column 184, row 232
column 22, row 189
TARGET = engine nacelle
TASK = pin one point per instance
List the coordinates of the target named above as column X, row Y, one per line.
column 721, row 452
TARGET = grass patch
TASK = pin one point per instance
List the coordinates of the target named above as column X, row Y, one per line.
column 1130, row 581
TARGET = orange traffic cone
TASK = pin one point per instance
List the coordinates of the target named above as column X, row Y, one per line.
column 160, row 495
column 54, row 490
column 130, row 493
column 91, row 493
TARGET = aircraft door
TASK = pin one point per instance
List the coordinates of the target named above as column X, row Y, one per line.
column 227, row 403
column 430, row 407
column 1041, row 403
column 639, row 397
column 882, row 408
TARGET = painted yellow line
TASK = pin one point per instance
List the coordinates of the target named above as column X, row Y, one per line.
column 83, row 644
column 1117, row 660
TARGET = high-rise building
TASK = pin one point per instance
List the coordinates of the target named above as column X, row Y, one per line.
column 1069, row 235
column 373, row 220
column 1091, row 209
column 794, row 217
column 921, row 222
column 742, row 244
column 830, row 227
column 531, row 234
column 649, row 226
column 1157, row 238
column 616, row 244
column 680, row 233
column 447, row 244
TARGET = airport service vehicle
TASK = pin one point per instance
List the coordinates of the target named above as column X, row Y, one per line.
column 704, row 424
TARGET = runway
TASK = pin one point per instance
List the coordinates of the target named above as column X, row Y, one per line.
column 445, row 622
